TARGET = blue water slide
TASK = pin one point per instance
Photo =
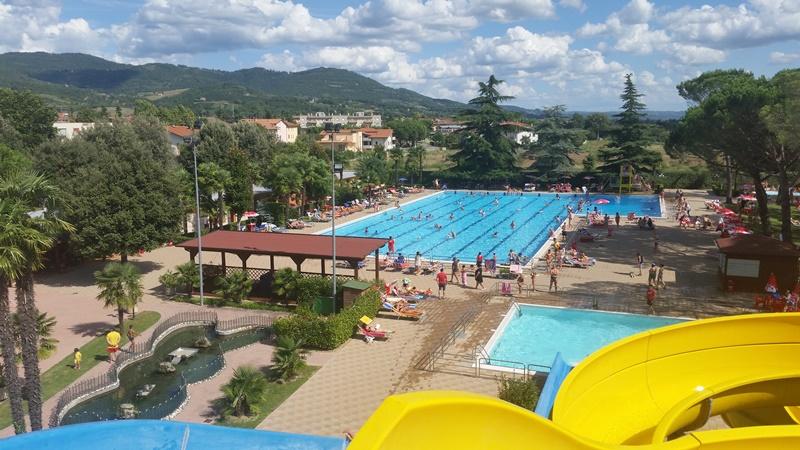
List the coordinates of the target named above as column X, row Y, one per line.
column 547, row 397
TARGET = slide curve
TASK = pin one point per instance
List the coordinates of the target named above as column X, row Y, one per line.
column 652, row 390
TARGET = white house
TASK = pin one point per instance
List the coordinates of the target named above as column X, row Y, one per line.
column 519, row 132
column 284, row 130
column 319, row 119
column 71, row 129
column 370, row 137
column 446, row 125
column 178, row 135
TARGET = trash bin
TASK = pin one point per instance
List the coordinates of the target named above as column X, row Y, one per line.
column 323, row 305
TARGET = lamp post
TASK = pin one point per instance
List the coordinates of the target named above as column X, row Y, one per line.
column 331, row 129
column 198, row 226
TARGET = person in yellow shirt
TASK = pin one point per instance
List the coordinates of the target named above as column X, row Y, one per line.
column 113, row 339
column 76, row 359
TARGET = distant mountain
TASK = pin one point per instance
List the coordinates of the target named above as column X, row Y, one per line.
column 71, row 79
column 539, row 113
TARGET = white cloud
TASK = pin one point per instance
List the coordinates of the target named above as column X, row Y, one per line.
column 574, row 4
column 693, row 55
column 520, row 48
column 726, row 27
column 37, row 26
column 783, row 58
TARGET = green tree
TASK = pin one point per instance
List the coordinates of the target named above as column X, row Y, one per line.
column 12, row 160
column 9, row 136
column 299, row 172
column 416, row 156
column 396, row 154
column 409, row 131
column 727, row 118
column 484, row 145
column 212, row 180
column 589, row 163
column 236, row 286
column 597, row 122
column 289, row 358
column 244, row 391
column 782, row 118
column 188, row 276
column 372, row 166
column 554, row 149
column 144, row 108
column 29, row 115
column 628, row 146
column 120, row 287
column 119, row 188
column 25, row 239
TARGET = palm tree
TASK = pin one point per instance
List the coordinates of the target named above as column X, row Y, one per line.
column 289, row 358
column 120, row 287
column 44, row 326
column 30, row 226
column 244, row 391
column 213, row 179
column 236, row 286
column 11, row 260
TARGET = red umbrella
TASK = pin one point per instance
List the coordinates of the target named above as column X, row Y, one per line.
column 249, row 214
column 742, row 230
column 601, row 201
column 727, row 212
column 748, row 197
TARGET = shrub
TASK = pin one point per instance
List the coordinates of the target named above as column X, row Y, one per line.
column 244, row 391
column 171, row 280
column 236, row 286
column 524, row 393
column 328, row 333
column 188, row 276
column 289, row 358
column 286, row 283
column 308, row 289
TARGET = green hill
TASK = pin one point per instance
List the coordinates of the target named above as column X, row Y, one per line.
column 74, row 79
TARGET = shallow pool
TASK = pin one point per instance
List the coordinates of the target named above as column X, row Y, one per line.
column 482, row 221
column 534, row 334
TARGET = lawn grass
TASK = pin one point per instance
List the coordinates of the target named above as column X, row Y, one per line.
column 274, row 395
column 62, row 374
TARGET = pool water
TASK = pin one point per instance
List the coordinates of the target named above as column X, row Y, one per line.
column 169, row 391
column 414, row 226
column 535, row 334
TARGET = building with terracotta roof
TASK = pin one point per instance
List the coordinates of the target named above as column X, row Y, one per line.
column 447, row 125
column 371, row 137
column 178, row 135
column 345, row 139
column 319, row 119
column 284, row 130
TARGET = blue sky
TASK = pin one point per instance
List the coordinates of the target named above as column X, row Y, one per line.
column 572, row 52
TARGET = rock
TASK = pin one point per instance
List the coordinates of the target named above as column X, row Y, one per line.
column 202, row 342
column 127, row 411
column 166, row 367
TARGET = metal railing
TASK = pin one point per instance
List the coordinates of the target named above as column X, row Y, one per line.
column 85, row 389
column 428, row 359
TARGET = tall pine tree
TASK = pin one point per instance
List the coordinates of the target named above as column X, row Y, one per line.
column 628, row 145
column 556, row 144
column 485, row 147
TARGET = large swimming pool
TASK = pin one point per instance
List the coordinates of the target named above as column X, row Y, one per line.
column 534, row 334
column 482, row 221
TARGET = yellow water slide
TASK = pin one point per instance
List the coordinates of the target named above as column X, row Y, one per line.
column 651, row 391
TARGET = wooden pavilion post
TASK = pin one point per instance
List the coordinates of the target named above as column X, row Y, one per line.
column 272, row 263
column 243, row 257
column 322, row 266
column 224, row 267
column 355, row 269
column 377, row 265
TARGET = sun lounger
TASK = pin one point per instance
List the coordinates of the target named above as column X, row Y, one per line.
column 371, row 335
column 406, row 312
column 505, row 288
column 574, row 262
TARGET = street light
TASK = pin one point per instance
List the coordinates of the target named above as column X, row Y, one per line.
column 331, row 128
column 193, row 144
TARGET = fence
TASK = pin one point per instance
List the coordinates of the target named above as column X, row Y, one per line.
column 91, row 387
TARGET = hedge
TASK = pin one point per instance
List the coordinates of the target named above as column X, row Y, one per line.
column 328, row 333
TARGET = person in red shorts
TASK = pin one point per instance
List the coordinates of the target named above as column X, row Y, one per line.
column 441, row 280
column 391, row 245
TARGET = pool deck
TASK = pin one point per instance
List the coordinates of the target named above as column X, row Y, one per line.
column 355, row 378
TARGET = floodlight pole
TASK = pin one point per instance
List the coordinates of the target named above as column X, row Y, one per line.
column 333, row 217
column 198, row 226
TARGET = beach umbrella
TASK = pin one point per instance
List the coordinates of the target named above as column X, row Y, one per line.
column 742, row 230
column 748, row 197
column 727, row 212
column 601, row 201
column 249, row 214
